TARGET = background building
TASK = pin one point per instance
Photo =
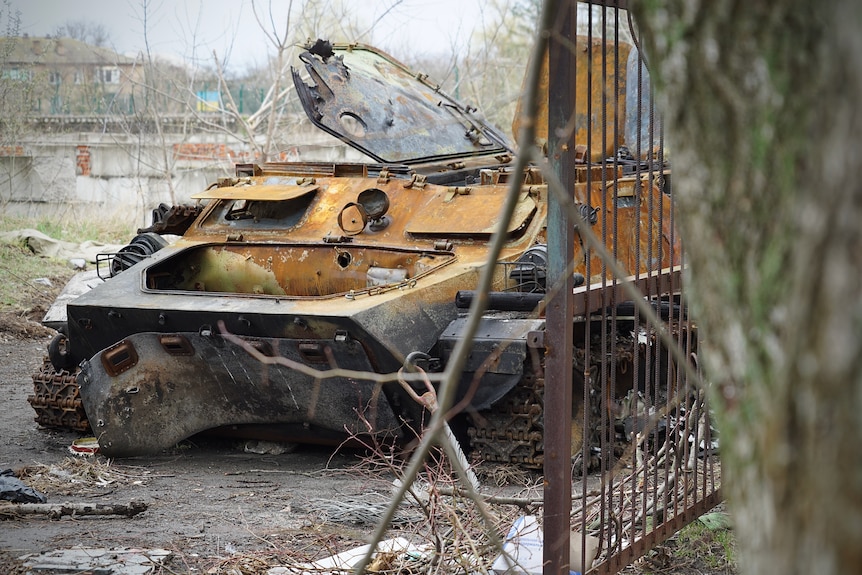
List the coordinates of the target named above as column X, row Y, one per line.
column 71, row 77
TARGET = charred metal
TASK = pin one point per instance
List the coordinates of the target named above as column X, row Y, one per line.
column 312, row 269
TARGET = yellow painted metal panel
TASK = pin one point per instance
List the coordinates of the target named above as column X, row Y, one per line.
column 260, row 193
column 474, row 213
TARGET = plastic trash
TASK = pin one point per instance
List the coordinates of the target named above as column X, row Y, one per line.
column 523, row 550
column 716, row 521
column 14, row 490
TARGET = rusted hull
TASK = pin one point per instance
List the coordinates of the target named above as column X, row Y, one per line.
column 152, row 390
column 352, row 266
column 597, row 80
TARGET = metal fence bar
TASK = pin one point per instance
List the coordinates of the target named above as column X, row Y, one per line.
column 558, row 372
column 647, row 457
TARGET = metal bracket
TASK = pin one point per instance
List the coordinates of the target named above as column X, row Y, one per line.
column 536, row 339
column 330, row 239
column 456, row 191
column 417, row 181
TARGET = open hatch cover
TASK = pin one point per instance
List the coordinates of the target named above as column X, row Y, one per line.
column 375, row 104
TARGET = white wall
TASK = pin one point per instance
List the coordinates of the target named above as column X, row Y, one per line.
column 120, row 177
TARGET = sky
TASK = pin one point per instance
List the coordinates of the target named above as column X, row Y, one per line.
column 193, row 29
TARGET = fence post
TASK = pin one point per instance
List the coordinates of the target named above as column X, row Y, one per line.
column 559, row 311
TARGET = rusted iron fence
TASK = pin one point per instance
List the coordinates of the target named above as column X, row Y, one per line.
column 644, row 449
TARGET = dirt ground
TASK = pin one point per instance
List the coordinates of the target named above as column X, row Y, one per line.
column 215, row 505
column 206, row 500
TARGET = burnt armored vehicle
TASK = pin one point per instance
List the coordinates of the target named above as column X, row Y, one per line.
column 332, row 267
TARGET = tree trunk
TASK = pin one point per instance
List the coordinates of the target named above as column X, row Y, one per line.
column 761, row 100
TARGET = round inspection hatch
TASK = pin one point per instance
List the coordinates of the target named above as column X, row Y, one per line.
column 352, row 219
column 375, row 202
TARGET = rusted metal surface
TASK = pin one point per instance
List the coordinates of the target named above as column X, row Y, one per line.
column 390, row 288
column 645, row 453
column 596, row 296
column 634, row 219
column 56, row 398
column 260, row 192
column 414, row 215
column 172, row 219
column 294, row 270
column 470, row 212
column 514, row 431
column 561, row 97
column 589, row 125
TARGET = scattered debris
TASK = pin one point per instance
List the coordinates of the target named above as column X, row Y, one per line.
column 502, row 475
column 19, row 325
column 14, row 490
column 396, row 555
column 46, row 246
column 360, row 511
column 525, row 503
column 77, row 475
column 122, row 561
column 582, row 551
column 57, row 510
column 85, row 446
column 262, row 447
column 716, row 521
column 523, row 550
column 248, row 564
column 43, row 282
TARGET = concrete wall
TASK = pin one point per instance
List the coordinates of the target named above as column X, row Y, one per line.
column 122, row 177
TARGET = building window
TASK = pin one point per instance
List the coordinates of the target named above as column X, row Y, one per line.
column 107, row 75
column 16, row 74
column 79, row 77
column 55, row 78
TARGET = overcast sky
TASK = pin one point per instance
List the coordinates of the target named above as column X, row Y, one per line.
column 194, row 28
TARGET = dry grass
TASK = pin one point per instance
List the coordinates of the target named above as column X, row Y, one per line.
column 72, row 230
column 19, row 293
column 81, row 475
column 19, row 267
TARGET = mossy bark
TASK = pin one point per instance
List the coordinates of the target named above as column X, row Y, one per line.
column 762, row 101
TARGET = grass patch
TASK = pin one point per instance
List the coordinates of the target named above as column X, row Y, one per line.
column 706, row 546
column 109, row 232
column 19, row 266
column 713, row 548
